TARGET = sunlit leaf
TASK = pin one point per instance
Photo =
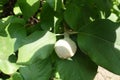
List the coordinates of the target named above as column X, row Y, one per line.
column 100, row 40
column 38, row 45
column 13, row 40
column 10, row 42
column 7, row 67
column 15, row 32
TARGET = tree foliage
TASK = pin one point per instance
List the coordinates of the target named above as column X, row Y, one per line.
column 30, row 28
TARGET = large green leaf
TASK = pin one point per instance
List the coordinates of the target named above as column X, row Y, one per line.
column 80, row 67
column 100, row 40
column 38, row 45
column 80, row 12
column 39, row 70
column 28, row 7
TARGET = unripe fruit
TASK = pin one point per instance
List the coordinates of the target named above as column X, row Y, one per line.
column 65, row 48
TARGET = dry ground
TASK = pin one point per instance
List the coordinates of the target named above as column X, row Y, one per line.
column 103, row 74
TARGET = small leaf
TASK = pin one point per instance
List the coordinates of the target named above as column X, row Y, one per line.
column 39, row 70
column 51, row 3
column 16, row 76
column 76, row 68
column 2, row 29
column 17, row 10
column 113, row 17
column 38, row 45
column 28, row 7
column 13, row 19
column 57, row 5
column 100, row 40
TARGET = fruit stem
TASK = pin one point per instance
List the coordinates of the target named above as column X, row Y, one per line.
column 70, row 33
column 66, row 35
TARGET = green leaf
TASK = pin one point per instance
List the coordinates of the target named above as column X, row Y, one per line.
column 39, row 70
column 80, row 67
column 9, row 44
column 16, row 76
column 38, row 45
column 72, row 16
column 12, row 19
column 51, row 3
column 7, row 67
column 47, row 17
column 28, row 7
column 57, row 5
column 2, row 2
column 2, row 29
column 100, row 40
column 9, row 20
column 113, row 17
column 17, row 10
column 104, row 5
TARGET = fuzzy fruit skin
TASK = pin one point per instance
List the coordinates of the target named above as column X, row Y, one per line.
column 65, row 48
